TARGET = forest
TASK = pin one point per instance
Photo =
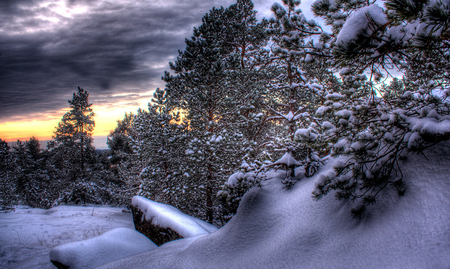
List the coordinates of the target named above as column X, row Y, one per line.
column 246, row 98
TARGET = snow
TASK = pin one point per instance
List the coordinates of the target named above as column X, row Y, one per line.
column 233, row 180
column 345, row 113
column 357, row 24
column 167, row 216
column 28, row 234
column 288, row 160
column 429, row 125
column 334, row 96
column 327, row 125
column 322, row 110
column 112, row 245
column 276, row 227
column 307, row 135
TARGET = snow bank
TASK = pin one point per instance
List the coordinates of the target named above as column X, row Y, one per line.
column 279, row 228
column 28, row 234
column 110, row 246
column 167, row 216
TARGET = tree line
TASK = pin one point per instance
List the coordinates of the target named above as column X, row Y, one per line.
column 68, row 171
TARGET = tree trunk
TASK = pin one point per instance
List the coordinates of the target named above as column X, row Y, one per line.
column 209, row 204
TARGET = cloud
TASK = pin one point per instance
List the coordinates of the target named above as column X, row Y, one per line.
column 49, row 48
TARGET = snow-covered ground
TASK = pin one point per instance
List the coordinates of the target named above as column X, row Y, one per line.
column 93, row 252
column 274, row 227
column 280, row 228
column 28, row 234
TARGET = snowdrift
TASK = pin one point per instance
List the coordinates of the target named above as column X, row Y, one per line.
column 115, row 244
column 279, row 228
column 28, row 234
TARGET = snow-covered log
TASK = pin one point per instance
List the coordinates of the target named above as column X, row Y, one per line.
column 115, row 244
column 163, row 223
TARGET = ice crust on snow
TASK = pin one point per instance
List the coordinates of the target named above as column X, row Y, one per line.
column 167, row 216
column 112, row 245
column 279, row 228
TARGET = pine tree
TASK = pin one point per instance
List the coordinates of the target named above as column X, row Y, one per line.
column 204, row 89
column 74, row 131
column 375, row 127
column 159, row 139
column 79, row 174
column 294, row 93
column 118, row 139
column 7, row 184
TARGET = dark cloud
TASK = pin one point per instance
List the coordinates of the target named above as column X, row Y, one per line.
column 109, row 47
column 50, row 47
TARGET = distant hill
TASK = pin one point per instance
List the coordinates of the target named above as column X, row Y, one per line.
column 99, row 143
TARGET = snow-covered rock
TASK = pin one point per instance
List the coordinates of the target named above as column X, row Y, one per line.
column 279, row 228
column 163, row 223
column 115, row 244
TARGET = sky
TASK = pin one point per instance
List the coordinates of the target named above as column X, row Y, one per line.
column 117, row 50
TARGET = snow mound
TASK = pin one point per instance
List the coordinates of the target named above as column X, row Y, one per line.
column 167, row 216
column 277, row 227
column 115, row 244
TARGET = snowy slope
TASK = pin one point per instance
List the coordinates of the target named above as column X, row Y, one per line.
column 279, row 228
column 28, row 234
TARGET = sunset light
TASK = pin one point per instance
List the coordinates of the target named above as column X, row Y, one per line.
column 105, row 120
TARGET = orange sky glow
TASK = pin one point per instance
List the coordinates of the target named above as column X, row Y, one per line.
column 105, row 121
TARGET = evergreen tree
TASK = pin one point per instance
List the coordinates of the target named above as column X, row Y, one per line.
column 7, row 185
column 31, row 175
column 294, row 93
column 159, row 139
column 118, row 139
column 374, row 128
column 74, row 131
column 79, row 174
column 203, row 88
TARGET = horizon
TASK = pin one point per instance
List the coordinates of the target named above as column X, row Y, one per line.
column 99, row 142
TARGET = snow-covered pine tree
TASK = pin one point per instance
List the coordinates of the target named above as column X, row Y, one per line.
column 31, row 176
column 244, row 39
column 7, row 182
column 294, row 94
column 293, row 71
column 118, row 139
column 159, row 140
column 217, row 108
column 79, row 175
column 375, row 127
